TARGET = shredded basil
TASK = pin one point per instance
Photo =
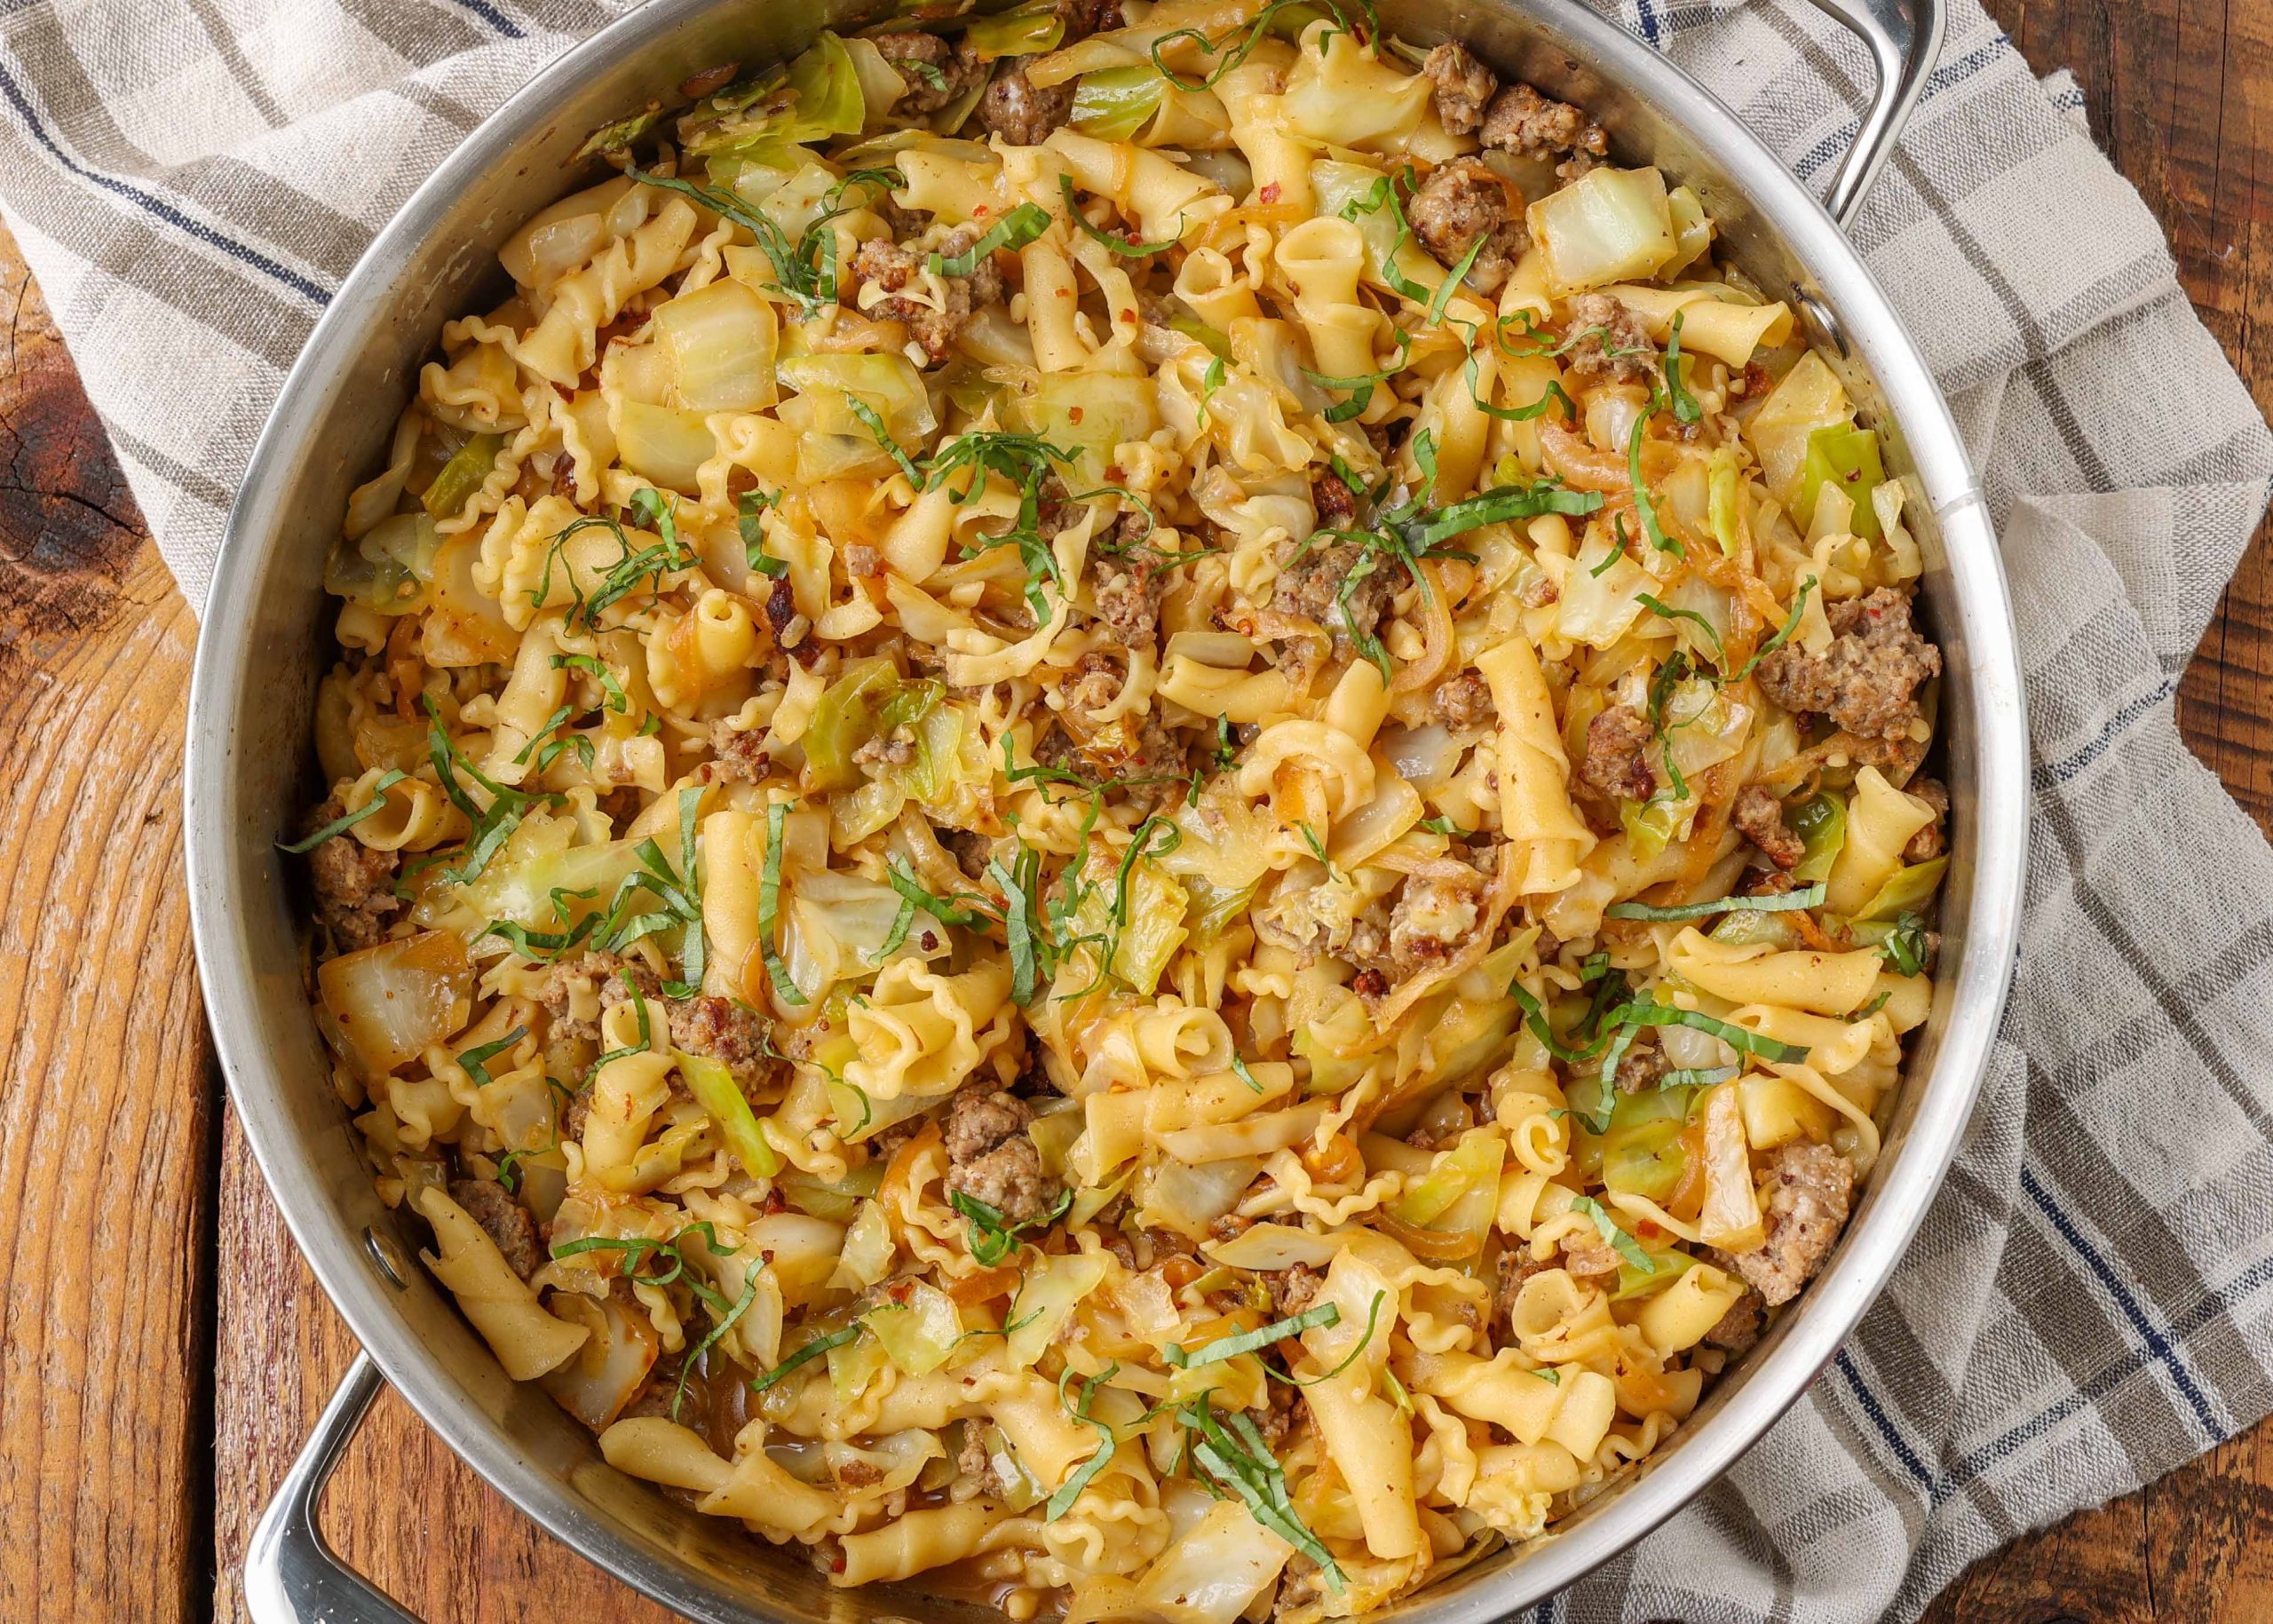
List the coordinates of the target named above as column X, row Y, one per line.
column 341, row 825
column 718, row 1328
column 1642, row 503
column 803, row 1356
column 1062, row 1501
column 1248, row 1341
column 769, row 903
column 1014, row 230
column 475, row 1061
column 1492, row 507
column 1783, row 634
column 1907, row 945
column 1628, row 1248
column 1233, row 1453
column 1120, row 246
column 1789, row 902
column 994, row 1235
column 1684, row 404
column 1666, row 612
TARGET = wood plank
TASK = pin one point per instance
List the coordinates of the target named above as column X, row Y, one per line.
column 104, row 1090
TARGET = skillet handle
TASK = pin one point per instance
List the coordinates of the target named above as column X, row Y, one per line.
column 292, row 1575
column 1905, row 38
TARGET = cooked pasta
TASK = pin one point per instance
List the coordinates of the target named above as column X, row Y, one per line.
column 1125, row 803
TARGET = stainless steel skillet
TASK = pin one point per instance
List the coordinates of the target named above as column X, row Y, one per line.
column 262, row 646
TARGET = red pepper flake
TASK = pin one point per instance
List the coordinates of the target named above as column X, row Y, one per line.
column 1074, row 416
column 1269, row 194
column 1114, row 474
column 980, row 211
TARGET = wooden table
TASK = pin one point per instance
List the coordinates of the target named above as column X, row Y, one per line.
column 162, row 1349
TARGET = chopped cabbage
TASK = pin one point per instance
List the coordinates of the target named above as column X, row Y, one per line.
column 1609, row 225
column 388, row 569
column 920, row 1331
column 720, row 339
column 833, row 441
column 721, row 1098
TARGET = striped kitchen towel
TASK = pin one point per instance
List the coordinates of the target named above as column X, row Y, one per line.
column 2087, row 1306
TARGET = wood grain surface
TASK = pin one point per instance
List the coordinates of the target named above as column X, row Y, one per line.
column 164, row 1349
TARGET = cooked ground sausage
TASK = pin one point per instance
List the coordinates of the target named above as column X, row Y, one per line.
column 739, row 753
column 1759, row 816
column 1464, row 199
column 1609, row 341
column 1293, row 1289
column 1524, row 122
column 1463, row 703
column 1736, row 1332
column 724, row 1030
column 1930, row 842
column 1019, row 111
column 1310, row 586
column 503, row 1219
column 1464, row 86
column 892, row 267
column 1588, row 1259
column 990, row 1160
column 1128, row 586
column 1430, row 916
column 1642, row 1065
column 937, row 74
column 1866, row 682
column 969, row 849
column 1805, row 1214
column 1617, row 761
column 354, row 885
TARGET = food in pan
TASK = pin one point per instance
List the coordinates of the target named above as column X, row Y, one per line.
column 1126, row 803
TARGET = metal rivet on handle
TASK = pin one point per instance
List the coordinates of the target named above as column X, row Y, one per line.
column 1825, row 326
column 386, row 1257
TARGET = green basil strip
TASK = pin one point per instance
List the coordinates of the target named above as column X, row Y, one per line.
column 1666, row 612
column 994, row 1236
column 1510, row 502
column 475, row 1062
column 1628, row 1248
column 1248, row 1341
column 1643, row 504
column 686, row 1365
column 1684, row 404
column 1647, row 1013
column 1783, row 636
column 1062, row 1501
column 1705, row 1078
column 340, row 826
column 805, row 1355
column 1372, row 1317
column 1789, row 902
column 769, row 903
column 1015, row 229
column 1106, row 239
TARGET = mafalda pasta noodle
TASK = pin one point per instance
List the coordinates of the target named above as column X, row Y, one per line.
column 1126, row 804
